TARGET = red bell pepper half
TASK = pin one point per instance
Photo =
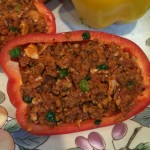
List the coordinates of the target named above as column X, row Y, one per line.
column 11, row 68
column 47, row 14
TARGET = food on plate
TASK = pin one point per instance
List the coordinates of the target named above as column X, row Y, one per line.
column 24, row 17
column 74, row 81
column 102, row 13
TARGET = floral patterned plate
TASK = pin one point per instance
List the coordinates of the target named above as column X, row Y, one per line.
column 133, row 134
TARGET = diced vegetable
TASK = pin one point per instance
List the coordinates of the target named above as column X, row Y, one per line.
column 18, row 8
column 15, row 53
column 97, row 122
column 50, row 116
column 13, row 28
column 84, row 85
column 27, row 99
column 63, row 73
column 87, row 78
column 130, row 83
column 103, row 67
column 86, row 35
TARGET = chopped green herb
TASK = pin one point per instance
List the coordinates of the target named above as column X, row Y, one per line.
column 102, row 67
column 84, row 86
column 86, row 35
column 97, row 122
column 50, row 116
column 15, row 53
column 27, row 99
column 63, row 73
column 87, row 78
column 18, row 8
column 13, row 28
column 130, row 83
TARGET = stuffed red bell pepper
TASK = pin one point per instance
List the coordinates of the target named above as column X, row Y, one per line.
column 24, row 17
column 74, row 81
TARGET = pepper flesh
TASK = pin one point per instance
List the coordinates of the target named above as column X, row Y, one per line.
column 102, row 13
column 11, row 68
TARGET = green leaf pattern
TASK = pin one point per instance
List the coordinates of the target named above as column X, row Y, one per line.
column 143, row 146
column 12, row 126
column 143, row 118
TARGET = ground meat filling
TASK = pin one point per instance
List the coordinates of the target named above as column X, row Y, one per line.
column 19, row 17
column 74, row 82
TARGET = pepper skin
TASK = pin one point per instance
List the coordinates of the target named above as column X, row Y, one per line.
column 47, row 14
column 102, row 13
column 11, row 68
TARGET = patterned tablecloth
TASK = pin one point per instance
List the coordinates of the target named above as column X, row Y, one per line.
column 131, row 134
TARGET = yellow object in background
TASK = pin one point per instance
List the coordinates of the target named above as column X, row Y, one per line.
column 102, row 13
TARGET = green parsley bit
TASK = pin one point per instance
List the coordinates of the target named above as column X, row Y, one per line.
column 102, row 67
column 15, row 53
column 63, row 73
column 97, row 122
column 130, row 83
column 13, row 28
column 86, row 35
column 27, row 99
column 87, row 78
column 84, row 86
column 18, row 8
column 50, row 116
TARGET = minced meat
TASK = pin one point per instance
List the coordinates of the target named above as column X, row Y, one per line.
column 74, row 82
column 19, row 17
